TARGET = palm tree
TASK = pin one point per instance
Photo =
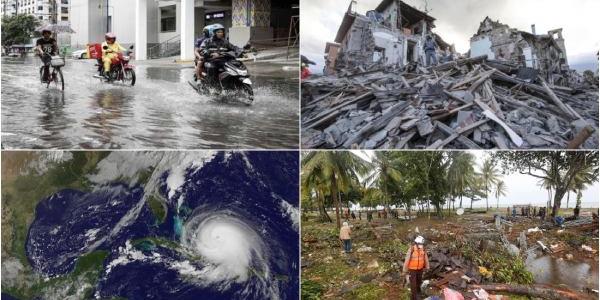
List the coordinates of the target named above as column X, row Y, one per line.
column 549, row 183
column 383, row 174
column 337, row 169
column 489, row 176
column 461, row 173
column 500, row 190
column 581, row 181
column 313, row 183
column 475, row 189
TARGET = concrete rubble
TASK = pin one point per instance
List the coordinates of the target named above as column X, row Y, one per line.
column 512, row 90
column 469, row 103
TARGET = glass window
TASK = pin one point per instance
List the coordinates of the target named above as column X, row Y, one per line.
column 168, row 18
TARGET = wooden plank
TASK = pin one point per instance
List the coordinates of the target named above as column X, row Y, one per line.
column 471, row 126
column 437, row 144
column 514, row 137
column 557, row 101
column 462, row 139
column 334, row 111
column 452, row 112
column 487, row 111
column 581, row 137
column 404, row 140
column 375, row 125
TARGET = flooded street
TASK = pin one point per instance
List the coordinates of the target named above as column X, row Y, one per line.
column 161, row 111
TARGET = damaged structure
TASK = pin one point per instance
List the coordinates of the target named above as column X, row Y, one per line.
column 513, row 91
column 390, row 35
column 543, row 54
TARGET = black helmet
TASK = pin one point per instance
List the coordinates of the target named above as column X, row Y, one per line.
column 46, row 30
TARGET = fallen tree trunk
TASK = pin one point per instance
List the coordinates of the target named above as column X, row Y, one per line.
column 535, row 290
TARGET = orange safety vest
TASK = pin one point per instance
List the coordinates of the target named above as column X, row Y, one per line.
column 417, row 258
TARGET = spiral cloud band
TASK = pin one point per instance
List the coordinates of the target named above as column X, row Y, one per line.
column 230, row 248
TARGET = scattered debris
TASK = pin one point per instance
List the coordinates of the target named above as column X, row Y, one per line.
column 588, row 248
column 535, row 290
column 467, row 103
column 364, row 249
column 544, row 248
column 579, row 222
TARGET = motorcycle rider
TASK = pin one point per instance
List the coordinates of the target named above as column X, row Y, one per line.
column 46, row 47
column 210, row 49
column 197, row 52
column 112, row 51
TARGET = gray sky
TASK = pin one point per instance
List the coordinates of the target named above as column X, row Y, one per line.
column 521, row 189
column 458, row 20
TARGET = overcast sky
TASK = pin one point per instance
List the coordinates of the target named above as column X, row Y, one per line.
column 521, row 189
column 457, row 20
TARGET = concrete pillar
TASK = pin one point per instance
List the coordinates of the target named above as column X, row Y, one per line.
column 187, row 29
column 250, row 21
column 141, row 30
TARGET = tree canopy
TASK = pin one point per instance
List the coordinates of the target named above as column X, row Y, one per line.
column 18, row 29
column 437, row 178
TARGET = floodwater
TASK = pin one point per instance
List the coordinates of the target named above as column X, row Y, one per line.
column 161, row 111
column 575, row 274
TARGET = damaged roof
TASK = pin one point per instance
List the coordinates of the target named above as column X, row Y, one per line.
column 408, row 12
column 347, row 22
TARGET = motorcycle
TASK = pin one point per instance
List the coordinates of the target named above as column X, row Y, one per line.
column 120, row 69
column 226, row 74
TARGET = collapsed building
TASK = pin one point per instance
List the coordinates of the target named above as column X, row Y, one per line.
column 391, row 35
column 537, row 54
column 514, row 90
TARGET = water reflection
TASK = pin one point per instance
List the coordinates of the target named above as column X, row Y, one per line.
column 556, row 271
column 160, row 111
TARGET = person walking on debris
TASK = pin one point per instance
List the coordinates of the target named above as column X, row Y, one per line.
column 353, row 215
column 543, row 213
column 345, row 232
column 369, row 216
column 514, row 214
column 415, row 263
column 430, row 51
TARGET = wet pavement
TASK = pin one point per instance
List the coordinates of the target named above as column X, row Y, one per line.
column 557, row 271
column 161, row 111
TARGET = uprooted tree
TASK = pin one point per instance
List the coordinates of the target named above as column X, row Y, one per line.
column 559, row 169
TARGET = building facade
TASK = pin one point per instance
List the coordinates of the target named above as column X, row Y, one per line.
column 48, row 11
column 391, row 35
column 545, row 53
column 170, row 27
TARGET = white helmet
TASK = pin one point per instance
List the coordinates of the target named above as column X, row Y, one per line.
column 345, row 224
column 419, row 240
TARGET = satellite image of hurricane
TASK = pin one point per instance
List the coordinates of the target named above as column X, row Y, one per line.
column 150, row 225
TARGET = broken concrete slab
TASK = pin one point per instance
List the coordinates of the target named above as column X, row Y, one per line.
column 376, row 109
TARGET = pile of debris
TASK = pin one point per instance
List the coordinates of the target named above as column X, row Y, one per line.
column 471, row 103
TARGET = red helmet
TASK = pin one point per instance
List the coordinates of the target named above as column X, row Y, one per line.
column 110, row 36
